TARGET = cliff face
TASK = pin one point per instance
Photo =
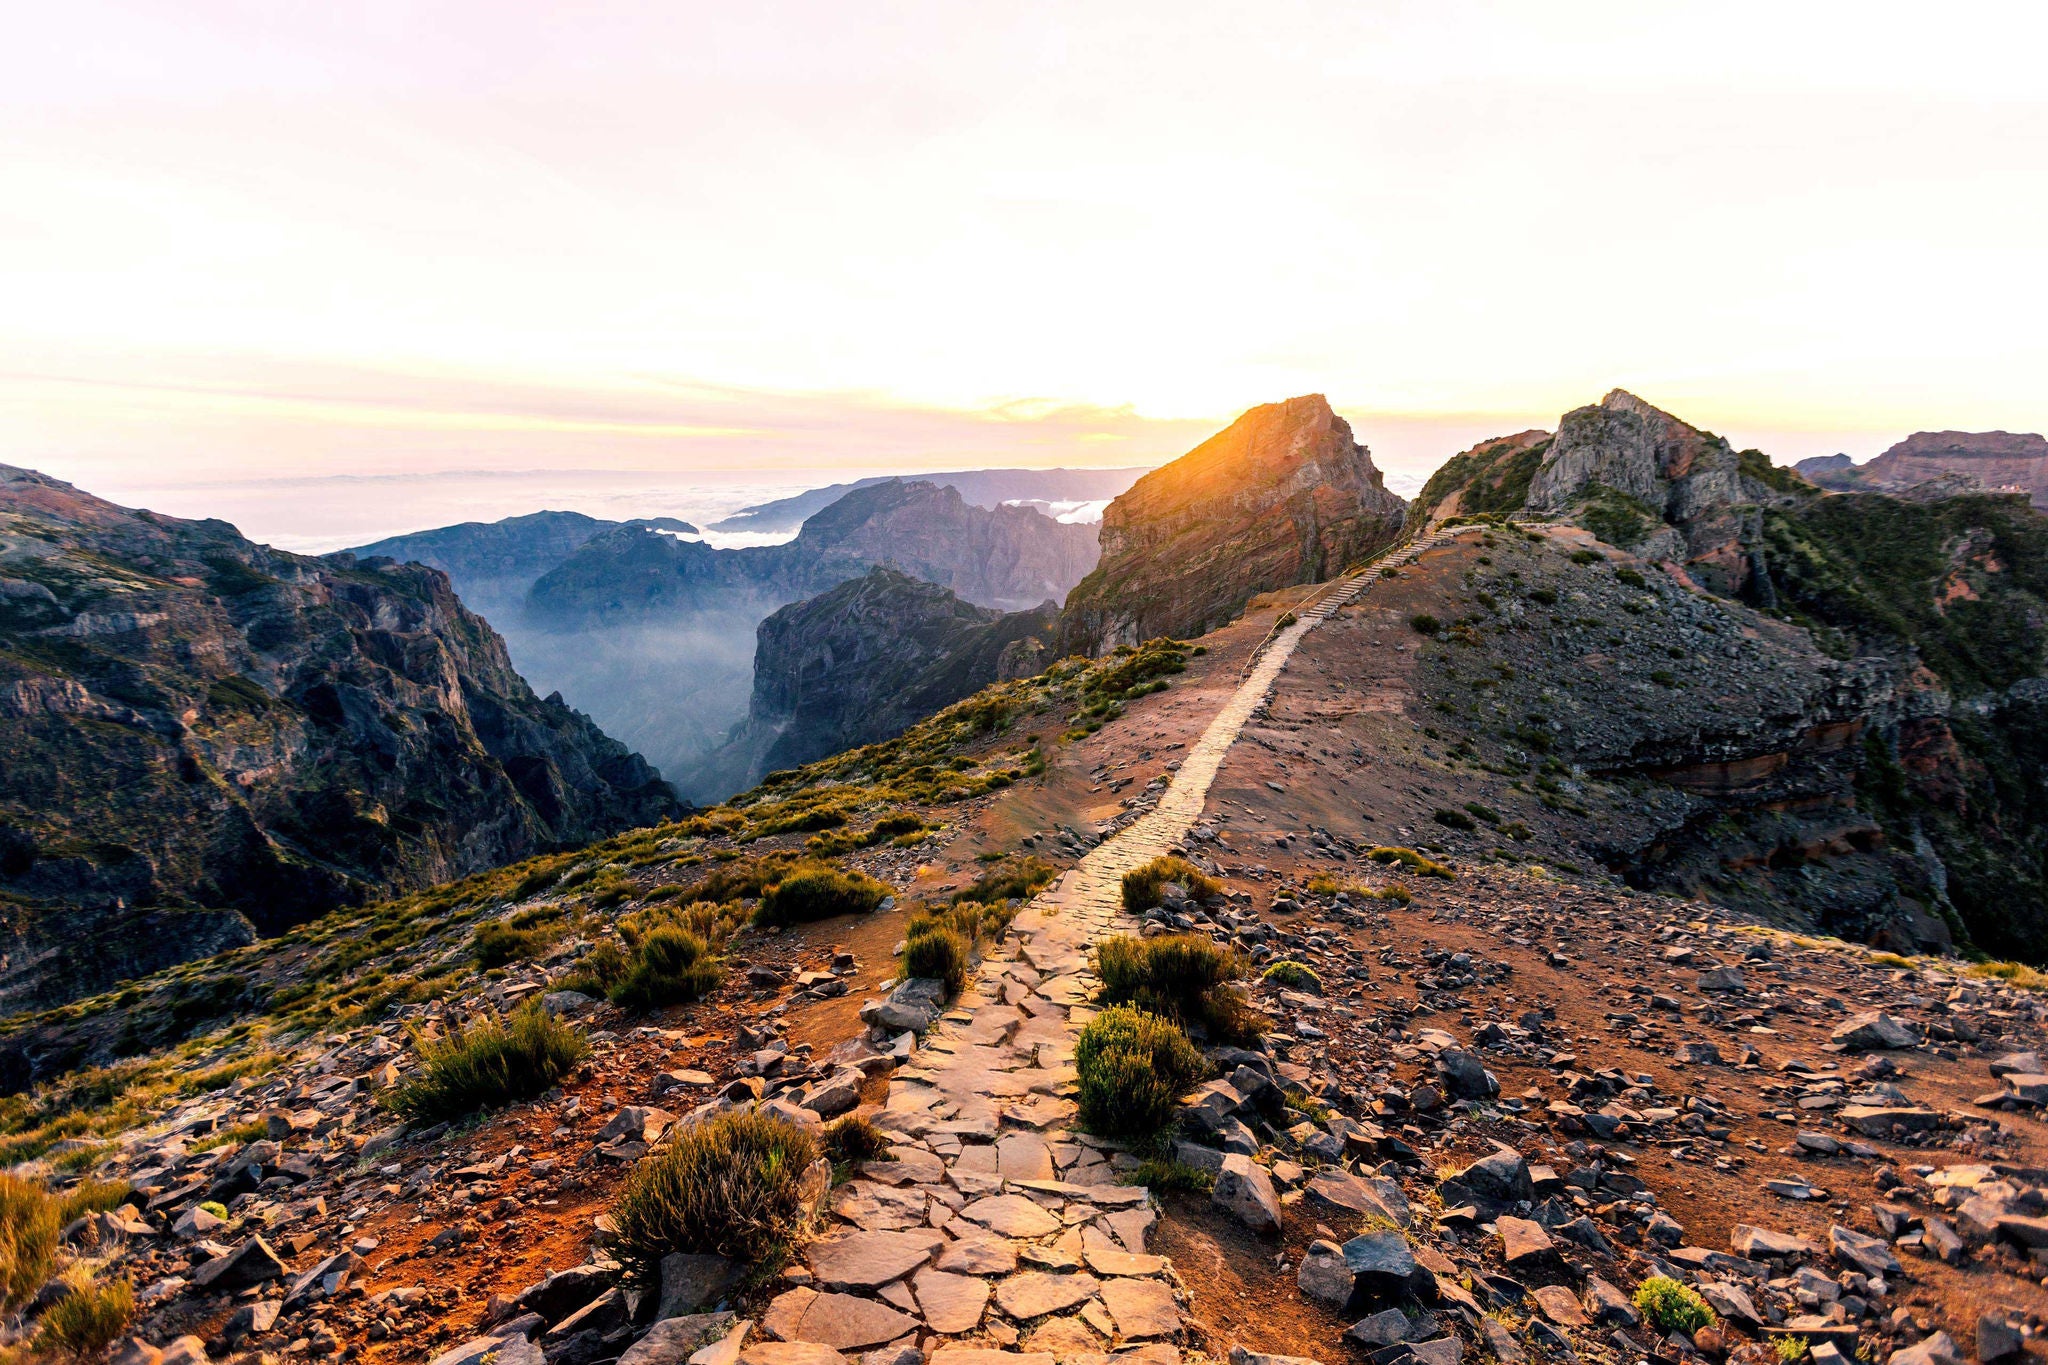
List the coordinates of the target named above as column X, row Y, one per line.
column 191, row 719
column 1284, row 495
column 1996, row 460
column 867, row 660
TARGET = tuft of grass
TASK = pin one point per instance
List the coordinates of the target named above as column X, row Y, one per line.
column 29, row 1224
column 1417, row 863
column 1016, row 879
column 91, row 1196
column 235, row 1136
column 88, row 1319
column 937, row 952
column 1163, row 1176
column 2012, row 973
column 491, row 1062
column 1294, row 977
column 1671, row 1307
column 671, row 966
column 730, row 1186
column 854, row 1138
column 597, row 971
column 1141, row 885
column 1133, row 1069
column 1791, row 1350
column 498, row 943
column 1185, row 977
column 1453, row 819
column 1424, row 624
column 814, row 891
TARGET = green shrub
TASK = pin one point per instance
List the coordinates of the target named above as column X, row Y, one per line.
column 1141, row 884
column 938, row 953
column 1671, row 1307
column 1413, row 861
column 87, row 1320
column 1294, row 976
column 491, row 1062
column 1183, row 977
column 1453, row 819
column 814, row 891
column 1163, row 1176
column 854, row 1138
column 730, row 1186
column 1133, row 1069
column 497, row 943
column 670, row 967
column 1791, row 1350
column 29, row 1224
column 1425, row 624
column 1017, row 878
column 1587, row 557
column 597, row 971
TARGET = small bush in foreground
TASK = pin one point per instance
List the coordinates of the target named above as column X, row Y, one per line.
column 670, row 967
column 1413, row 861
column 28, row 1239
column 491, row 1062
column 1671, row 1307
column 1142, row 884
column 1294, row 977
column 814, row 891
column 854, row 1138
column 733, row 1186
column 1133, row 1069
column 88, row 1319
column 1185, row 977
column 939, row 953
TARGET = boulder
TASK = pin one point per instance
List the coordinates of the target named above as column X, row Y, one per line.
column 1245, row 1189
column 680, row 1340
column 1873, row 1031
column 251, row 1263
column 1464, row 1075
column 691, row 1282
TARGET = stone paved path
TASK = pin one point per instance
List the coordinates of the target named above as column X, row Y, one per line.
column 1000, row 1228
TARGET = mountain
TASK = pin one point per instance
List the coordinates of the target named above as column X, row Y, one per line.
column 1283, row 496
column 189, row 719
column 1997, row 460
column 1047, row 489
column 1916, row 792
column 654, row 634
column 867, row 660
column 493, row 563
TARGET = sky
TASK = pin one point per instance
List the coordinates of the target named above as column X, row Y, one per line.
column 305, row 261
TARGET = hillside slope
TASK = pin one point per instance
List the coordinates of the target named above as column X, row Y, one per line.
column 190, row 719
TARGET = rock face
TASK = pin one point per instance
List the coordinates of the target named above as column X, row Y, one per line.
column 867, row 660
column 493, row 563
column 1996, row 460
column 1644, row 480
column 1283, row 496
column 191, row 719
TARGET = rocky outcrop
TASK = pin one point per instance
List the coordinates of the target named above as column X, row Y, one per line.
column 2000, row 461
column 1644, row 480
column 865, row 661
column 1074, row 489
column 1283, row 496
column 191, row 719
column 493, row 563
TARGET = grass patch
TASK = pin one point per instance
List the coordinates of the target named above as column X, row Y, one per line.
column 854, row 1138
column 1016, row 879
column 1420, row 864
column 491, row 1062
column 1186, row 978
column 29, row 1223
column 815, row 891
column 1164, row 1176
column 1453, row 819
column 1133, row 1069
column 1142, row 885
column 91, row 1196
column 1422, row 623
column 88, row 1319
column 1294, row 977
column 671, row 966
column 2012, row 973
column 1671, row 1307
column 235, row 1136
column 733, row 1186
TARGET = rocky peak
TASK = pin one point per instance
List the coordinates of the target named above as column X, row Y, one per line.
column 1284, row 495
column 1944, row 463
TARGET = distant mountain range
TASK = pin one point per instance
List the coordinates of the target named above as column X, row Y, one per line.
column 1045, row 489
column 1996, row 460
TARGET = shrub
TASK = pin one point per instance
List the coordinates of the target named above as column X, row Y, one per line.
column 1142, row 884
column 1294, row 977
column 932, row 950
column 1018, row 879
column 733, row 1185
column 1587, row 557
column 1425, row 624
column 597, row 971
column 1170, row 1177
column 1286, row 619
column 1791, row 1350
column 670, row 967
column 854, row 1138
column 28, row 1239
column 491, row 1062
column 88, row 1319
column 93, row 1196
column 1453, row 819
column 1184, row 977
column 1671, row 1307
column 814, row 891
column 1133, row 1069
column 1413, row 861
column 498, row 943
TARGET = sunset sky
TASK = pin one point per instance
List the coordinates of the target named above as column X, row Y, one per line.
column 757, row 242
